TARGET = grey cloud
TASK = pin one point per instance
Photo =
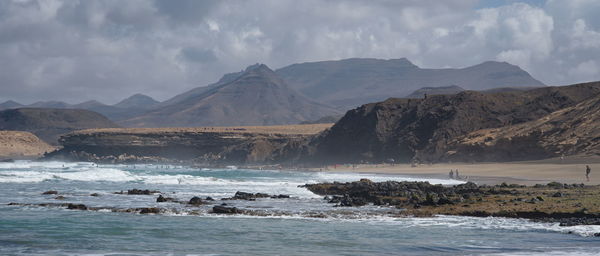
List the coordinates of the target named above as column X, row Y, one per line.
column 108, row 50
column 198, row 55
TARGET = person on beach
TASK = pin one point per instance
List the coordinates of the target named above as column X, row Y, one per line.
column 587, row 172
column 451, row 174
column 457, row 176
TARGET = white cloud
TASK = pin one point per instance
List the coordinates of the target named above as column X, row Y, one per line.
column 107, row 50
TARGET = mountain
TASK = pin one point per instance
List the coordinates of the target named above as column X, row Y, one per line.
column 570, row 131
column 198, row 91
column 353, row 82
column 49, row 104
column 48, row 124
column 420, row 93
column 422, row 129
column 255, row 97
column 88, row 105
column 10, row 104
column 137, row 101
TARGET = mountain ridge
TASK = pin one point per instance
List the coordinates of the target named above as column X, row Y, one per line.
column 260, row 96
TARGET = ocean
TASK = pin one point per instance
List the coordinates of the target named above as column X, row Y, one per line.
column 303, row 224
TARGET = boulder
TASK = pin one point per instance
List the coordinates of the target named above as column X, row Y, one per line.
column 82, row 207
column 152, row 210
column 196, row 201
column 226, row 210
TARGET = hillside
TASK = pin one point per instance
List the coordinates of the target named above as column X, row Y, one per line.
column 256, row 97
column 420, row 93
column 49, row 124
column 571, row 131
column 420, row 129
column 21, row 145
column 353, row 82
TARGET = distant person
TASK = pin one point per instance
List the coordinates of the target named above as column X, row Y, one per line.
column 457, row 176
column 587, row 172
column 451, row 174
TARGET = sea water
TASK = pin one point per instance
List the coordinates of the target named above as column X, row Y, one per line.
column 303, row 224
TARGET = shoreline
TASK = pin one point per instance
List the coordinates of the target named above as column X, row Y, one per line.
column 522, row 173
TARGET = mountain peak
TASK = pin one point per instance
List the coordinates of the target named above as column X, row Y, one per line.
column 10, row 104
column 258, row 67
column 138, row 100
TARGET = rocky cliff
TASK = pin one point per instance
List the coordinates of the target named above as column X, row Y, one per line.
column 202, row 146
column 570, row 131
column 422, row 129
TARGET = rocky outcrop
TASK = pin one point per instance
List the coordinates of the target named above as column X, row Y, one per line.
column 209, row 145
column 421, row 129
column 512, row 201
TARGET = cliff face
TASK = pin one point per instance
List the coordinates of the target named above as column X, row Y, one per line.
column 421, row 129
column 571, row 131
column 211, row 145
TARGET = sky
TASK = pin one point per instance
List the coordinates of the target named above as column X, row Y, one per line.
column 107, row 50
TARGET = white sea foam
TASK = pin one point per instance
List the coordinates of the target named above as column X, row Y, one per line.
column 499, row 223
column 347, row 177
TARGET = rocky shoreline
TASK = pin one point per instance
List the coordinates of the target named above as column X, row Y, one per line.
column 567, row 204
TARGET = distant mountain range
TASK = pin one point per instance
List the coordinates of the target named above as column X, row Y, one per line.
column 302, row 92
column 127, row 108
column 256, row 96
column 352, row 82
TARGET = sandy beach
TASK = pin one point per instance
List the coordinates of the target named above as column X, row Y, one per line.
column 526, row 173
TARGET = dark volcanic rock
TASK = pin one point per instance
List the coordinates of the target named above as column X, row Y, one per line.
column 226, row 210
column 362, row 192
column 247, row 196
column 82, row 207
column 162, row 199
column 151, row 210
column 136, row 191
column 50, row 192
column 196, row 201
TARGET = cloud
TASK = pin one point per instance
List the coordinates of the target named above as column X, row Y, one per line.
column 108, row 50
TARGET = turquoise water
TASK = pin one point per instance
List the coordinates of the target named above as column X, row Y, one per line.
column 286, row 227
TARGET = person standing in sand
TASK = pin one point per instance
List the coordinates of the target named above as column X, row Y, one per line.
column 457, row 176
column 587, row 172
column 451, row 174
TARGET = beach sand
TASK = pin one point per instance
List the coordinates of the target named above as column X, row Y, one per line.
column 525, row 173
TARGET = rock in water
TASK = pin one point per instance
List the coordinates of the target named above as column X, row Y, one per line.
column 196, row 201
column 226, row 210
column 77, row 207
